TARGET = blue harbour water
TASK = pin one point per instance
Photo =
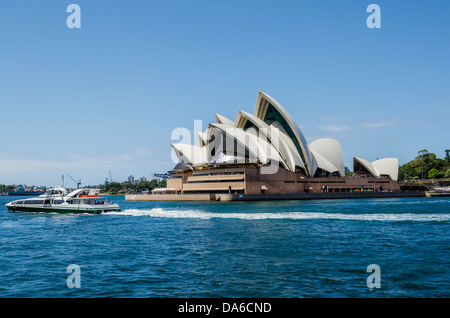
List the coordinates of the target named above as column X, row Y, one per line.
column 282, row 249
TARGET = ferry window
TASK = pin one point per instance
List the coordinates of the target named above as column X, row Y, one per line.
column 35, row 202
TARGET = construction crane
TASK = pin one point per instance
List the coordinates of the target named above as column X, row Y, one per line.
column 161, row 176
column 78, row 183
column 110, row 179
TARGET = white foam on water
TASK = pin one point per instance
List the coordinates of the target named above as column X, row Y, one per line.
column 10, row 224
column 193, row 214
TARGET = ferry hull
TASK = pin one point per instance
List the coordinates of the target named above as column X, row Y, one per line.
column 56, row 200
column 59, row 210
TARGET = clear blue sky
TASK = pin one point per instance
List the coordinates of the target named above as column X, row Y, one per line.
column 107, row 96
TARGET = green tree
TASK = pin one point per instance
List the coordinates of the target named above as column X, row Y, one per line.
column 447, row 173
column 410, row 170
column 154, row 183
column 4, row 188
column 433, row 173
column 128, row 186
column 422, row 165
column 111, row 188
column 422, row 162
column 143, row 186
column 427, row 161
column 162, row 184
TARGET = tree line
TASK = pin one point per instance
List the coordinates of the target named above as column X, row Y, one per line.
column 6, row 188
column 128, row 187
column 115, row 187
column 426, row 166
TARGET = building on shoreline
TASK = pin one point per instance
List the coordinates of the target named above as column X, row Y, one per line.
column 266, row 153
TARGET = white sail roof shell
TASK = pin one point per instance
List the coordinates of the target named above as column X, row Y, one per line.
column 202, row 138
column 323, row 163
column 272, row 135
column 248, row 143
column 262, row 102
column 278, row 139
column 189, row 154
column 368, row 165
column 288, row 149
column 223, row 120
column 330, row 150
column 385, row 166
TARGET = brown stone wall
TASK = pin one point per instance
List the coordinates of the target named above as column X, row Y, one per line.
column 176, row 183
column 252, row 181
column 281, row 182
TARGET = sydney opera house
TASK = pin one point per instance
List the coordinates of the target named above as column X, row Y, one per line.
column 266, row 153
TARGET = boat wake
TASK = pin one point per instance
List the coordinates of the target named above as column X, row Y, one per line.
column 194, row 214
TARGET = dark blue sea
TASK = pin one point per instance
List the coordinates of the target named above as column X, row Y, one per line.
column 282, row 249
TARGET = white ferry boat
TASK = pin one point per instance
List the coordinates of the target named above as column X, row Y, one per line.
column 57, row 200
